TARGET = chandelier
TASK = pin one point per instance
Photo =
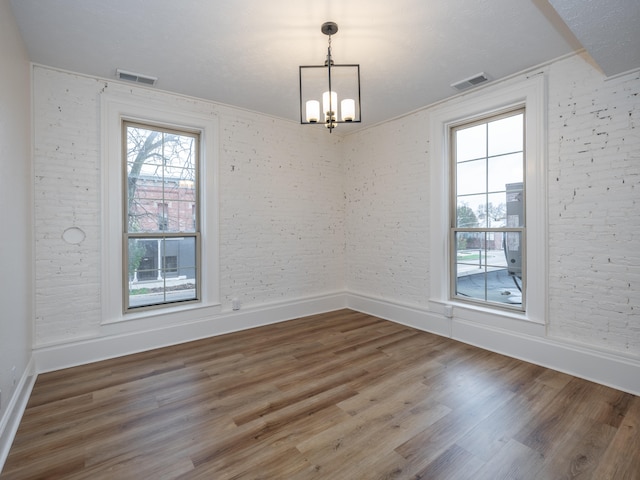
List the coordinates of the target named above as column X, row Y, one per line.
column 335, row 88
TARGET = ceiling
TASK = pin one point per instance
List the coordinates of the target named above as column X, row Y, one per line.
column 246, row 53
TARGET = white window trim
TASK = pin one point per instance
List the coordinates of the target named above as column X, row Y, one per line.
column 532, row 94
column 115, row 107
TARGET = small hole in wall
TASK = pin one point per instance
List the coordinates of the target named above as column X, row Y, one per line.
column 73, row 235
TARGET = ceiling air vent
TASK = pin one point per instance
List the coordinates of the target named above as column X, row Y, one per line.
column 470, row 82
column 135, row 77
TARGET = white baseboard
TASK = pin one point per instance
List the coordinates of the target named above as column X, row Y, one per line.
column 606, row 368
column 398, row 313
column 91, row 350
column 15, row 409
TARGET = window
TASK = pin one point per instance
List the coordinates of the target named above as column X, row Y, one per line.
column 188, row 220
column 488, row 222
column 161, row 238
column 484, row 214
column 163, row 217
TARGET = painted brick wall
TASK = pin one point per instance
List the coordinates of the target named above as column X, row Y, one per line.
column 282, row 210
column 387, row 211
column 296, row 221
column 594, row 202
column 281, row 205
column 66, row 195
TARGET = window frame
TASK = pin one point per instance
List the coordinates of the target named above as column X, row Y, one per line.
column 163, row 232
column 135, row 107
column 453, row 202
column 530, row 93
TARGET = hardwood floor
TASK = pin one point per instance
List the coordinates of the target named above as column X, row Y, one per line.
column 337, row 396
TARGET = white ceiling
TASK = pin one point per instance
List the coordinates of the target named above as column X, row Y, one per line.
column 246, row 53
column 609, row 30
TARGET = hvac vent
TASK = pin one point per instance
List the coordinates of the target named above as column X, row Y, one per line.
column 470, row 82
column 135, row 77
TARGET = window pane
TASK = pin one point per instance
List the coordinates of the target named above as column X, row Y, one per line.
column 471, row 143
column 503, row 170
column 482, row 268
column 515, row 205
column 187, row 190
column 471, row 177
column 161, row 169
column 513, row 253
column 181, row 217
column 161, row 270
column 469, row 249
column 470, row 211
column 470, row 265
column 506, row 135
column 496, row 210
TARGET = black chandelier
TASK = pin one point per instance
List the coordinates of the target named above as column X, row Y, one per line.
column 331, row 86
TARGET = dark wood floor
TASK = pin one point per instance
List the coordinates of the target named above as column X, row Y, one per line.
column 338, row 396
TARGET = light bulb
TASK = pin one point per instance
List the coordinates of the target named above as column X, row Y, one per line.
column 313, row 111
column 330, row 108
column 348, row 109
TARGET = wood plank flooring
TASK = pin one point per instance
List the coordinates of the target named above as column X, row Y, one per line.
column 338, row 396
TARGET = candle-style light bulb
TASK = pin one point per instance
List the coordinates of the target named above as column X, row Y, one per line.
column 348, row 109
column 313, row 111
column 330, row 108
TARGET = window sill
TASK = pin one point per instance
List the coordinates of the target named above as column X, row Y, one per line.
column 183, row 313
column 491, row 317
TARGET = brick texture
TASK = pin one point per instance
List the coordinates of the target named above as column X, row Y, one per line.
column 594, row 196
column 281, row 205
column 593, row 199
column 387, row 211
column 66, row 194
column 303, row 213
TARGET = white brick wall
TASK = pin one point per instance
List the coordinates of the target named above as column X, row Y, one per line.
column 593, row 196
column 282, row 211
column 387, row 211
column 66, row 194
column 281, row 205
column 594, row 201
column 303, row 213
